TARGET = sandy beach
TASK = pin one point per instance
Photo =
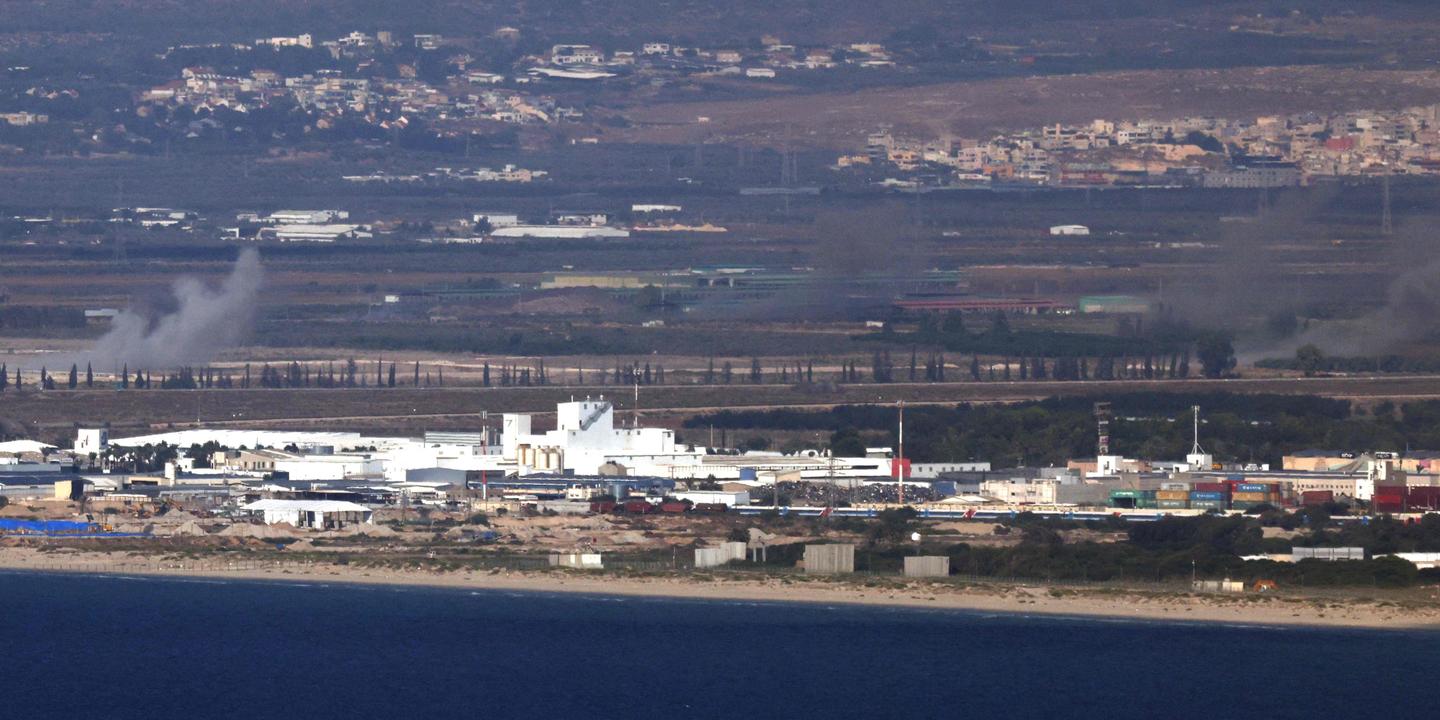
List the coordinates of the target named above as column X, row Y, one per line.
column 1037, row 600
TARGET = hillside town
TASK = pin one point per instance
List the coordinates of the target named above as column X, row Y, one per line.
column 390, row 94
column 1207, row 152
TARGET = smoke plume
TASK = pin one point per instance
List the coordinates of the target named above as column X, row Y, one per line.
column 1411, row 312
column 203, row 321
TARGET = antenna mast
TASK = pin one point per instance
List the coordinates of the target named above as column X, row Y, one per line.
column 1195, row 430
column 900, row 473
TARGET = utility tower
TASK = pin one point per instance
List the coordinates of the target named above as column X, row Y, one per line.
column 1102, row 428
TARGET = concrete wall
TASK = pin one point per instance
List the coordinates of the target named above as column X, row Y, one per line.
column 927, row 566
column 587, row 561
column 717, row 556
column 829, row 559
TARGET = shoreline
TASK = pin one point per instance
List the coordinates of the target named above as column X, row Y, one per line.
column 1014, row 600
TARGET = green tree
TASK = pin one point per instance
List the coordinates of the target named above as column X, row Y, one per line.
column 1308, row 358
column 846, row 442
column 1216, row 354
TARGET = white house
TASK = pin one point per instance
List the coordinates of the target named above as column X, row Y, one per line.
column 497, row 219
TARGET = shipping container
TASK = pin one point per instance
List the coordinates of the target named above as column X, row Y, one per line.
column 602, row 506
column 1424, row 497
column 1211, row 487
column 1256, row 487
column 1132, row 493
column 673, row 507
column 1171, row 504
column 1209, row 505
column 1317, row 497
column 1246, row 505
column 1387, row 502
column 1172, row 495
column 1257, row 497
column 1174, row 486
column 1203, row 495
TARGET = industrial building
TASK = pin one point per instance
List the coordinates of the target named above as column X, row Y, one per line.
column 315, row 514
column 563, row 232
column 585, row 439
column 314, row 233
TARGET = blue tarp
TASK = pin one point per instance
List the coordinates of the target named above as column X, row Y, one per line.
column 47, row 527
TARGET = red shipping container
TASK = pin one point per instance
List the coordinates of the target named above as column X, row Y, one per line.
column 896, row 464
column 1424, row 497
column 1211, row 487
column 1387, row 502
column 1316, row 497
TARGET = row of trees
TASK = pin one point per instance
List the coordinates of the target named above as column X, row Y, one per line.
column 1252, row 428
column 1216, row 360
column 1165, row 343
column 45, row 380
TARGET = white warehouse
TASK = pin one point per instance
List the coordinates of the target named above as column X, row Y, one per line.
column 317, row 514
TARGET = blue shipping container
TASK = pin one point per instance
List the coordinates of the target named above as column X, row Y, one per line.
column 1254, row 487
column 1203, row 495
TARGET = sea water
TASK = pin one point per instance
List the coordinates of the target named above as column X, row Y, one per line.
column 86, row 646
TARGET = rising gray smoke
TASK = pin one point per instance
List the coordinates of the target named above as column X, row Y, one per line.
column 860, row 261
column 1241, row 285
column 205, row 320
column 1411, row 312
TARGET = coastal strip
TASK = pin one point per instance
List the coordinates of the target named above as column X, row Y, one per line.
column 1278, row 610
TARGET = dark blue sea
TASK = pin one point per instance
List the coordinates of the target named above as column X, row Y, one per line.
column 75, row 646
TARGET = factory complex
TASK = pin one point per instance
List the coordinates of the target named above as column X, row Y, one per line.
column 593, row 461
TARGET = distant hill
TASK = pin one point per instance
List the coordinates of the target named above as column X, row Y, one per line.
column 698, row 20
